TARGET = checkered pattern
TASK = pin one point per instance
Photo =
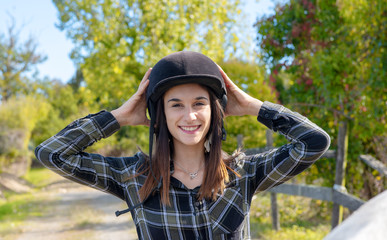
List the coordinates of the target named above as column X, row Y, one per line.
column 186, row 218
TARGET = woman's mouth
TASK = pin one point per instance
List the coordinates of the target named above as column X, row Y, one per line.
column 190, row 129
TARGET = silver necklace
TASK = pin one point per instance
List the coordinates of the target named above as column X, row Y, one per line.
column 192, row 175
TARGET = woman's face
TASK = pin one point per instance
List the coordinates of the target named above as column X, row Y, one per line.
column 188, row 113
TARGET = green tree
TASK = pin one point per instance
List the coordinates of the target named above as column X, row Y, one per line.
column 116, row 41
column 332, row 55
column 251, row 79
column 16, row 60
column 62, row 109
column 18, row 117
column 77, row 80
column 20, row 109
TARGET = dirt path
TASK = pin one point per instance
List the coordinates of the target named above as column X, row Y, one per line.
column 74, row 211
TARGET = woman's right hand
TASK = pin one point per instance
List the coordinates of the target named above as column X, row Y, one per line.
column 133, row 111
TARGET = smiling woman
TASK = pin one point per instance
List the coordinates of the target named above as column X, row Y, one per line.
column 187, row 188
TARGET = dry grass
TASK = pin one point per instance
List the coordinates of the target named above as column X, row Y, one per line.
column 300, row 218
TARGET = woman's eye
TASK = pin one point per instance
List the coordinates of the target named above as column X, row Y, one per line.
column 199, row 104
column 176, row 105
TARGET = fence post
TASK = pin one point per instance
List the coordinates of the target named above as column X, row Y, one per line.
column 341, row 162
column 273, row 196
column 274, row 211
column 240, row 140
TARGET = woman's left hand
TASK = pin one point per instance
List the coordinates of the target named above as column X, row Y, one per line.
column 239, row 103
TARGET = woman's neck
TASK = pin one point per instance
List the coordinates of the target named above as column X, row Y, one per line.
column 190, row 157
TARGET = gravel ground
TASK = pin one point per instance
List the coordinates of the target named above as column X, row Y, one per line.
column 74, row 211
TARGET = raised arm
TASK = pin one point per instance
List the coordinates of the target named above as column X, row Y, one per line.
column 64, row 152
column 307, row 141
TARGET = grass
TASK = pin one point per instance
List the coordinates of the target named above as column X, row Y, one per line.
column 300, row 218
column 17, row 207
column 41, row 177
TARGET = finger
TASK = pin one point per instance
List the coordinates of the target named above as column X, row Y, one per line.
column 141, row 90
column 224, row 76
column 146, row 76
column 147, row 122
column 144, row 82
column 227, row 80
column 143, row 85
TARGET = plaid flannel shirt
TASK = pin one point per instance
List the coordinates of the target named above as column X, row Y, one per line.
column 186, row 218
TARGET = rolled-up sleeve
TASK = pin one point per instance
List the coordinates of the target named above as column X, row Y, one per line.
column 64, row 154
column 307, row 143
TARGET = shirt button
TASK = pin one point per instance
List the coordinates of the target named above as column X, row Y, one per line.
column 197, row 204
column 266, row 115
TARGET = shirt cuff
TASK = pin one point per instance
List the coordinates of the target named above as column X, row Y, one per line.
column 105, row 122
column 270, row 116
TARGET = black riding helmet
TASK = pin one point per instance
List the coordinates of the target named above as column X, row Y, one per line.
column 181, row 68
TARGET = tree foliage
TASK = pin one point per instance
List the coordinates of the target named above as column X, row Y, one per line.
column 20, row 108
column 330, row 57
column 63, row 106
column 16, row 59
column 116, row 41
column 251, row 79
column 18, row 117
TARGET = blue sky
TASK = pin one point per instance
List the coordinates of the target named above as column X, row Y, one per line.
column 37, row 18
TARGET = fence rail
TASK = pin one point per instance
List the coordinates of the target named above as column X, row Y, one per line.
column 320, row 193
column 375, row 164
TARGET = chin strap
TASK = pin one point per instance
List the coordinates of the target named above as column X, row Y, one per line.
column 152, row 113
column 224, row 133
column 131, row 208
column 223, row 103
column 118, row 213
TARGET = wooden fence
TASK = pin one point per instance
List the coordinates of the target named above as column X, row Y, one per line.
column 337, row 194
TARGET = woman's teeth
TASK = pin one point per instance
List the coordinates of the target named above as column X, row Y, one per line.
column 189, row 128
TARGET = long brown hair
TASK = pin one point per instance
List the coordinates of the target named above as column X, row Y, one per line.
column 216, row 161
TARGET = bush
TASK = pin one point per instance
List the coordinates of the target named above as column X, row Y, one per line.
column 18, row 117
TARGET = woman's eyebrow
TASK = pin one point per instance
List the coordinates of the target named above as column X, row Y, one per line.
column 179, row 100
column 174, row 100
column 201, row 98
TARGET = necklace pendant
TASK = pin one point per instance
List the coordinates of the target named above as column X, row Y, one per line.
column 193, row 175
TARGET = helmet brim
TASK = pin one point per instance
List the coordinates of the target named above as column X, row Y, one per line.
column 203, row 79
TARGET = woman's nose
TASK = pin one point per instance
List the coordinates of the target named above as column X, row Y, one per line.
column 190, row 115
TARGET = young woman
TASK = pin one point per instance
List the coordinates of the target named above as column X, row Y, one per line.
column 186, row 188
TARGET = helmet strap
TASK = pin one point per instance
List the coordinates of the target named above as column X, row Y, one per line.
column 152, row 113
column 224, row 134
